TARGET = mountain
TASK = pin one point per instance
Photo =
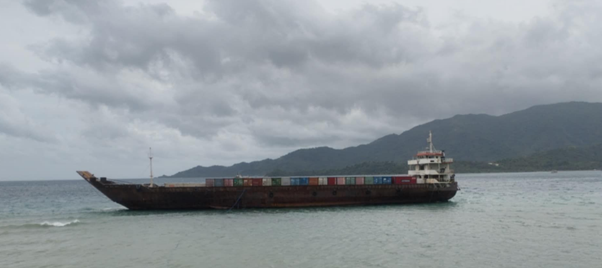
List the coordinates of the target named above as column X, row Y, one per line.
column 472, row 137
column 357, row 169
column 570, row 158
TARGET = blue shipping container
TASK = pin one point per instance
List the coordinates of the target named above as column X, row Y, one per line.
column 218, row 182
column 294, row 181
column 378, row 180
column 303, row 181
column 387, row 180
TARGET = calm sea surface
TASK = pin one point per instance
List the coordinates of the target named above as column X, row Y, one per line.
column 496, row 220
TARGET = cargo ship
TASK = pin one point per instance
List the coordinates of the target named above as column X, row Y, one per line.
column 430, row 179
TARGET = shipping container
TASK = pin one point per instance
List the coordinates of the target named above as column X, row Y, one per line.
column 294, row 181
column 350, row 181
column 332, row 181
column 228, row 182
column 286, row 181
column 359, row 180
column 303, row 181
column 404, row 180
column 323, row 181
column 369, row 180
column 276, row 181
column 378, row 180
column 256, row 182
column 267, row 182
column 247, row 182
column 218, row 182
column 186, row 184
column 387, row 180
column 238, row 182
column 314, row 181
column 209, row 182
column 341, row 181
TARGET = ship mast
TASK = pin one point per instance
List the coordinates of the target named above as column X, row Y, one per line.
column 150, row 157
column 430, row 141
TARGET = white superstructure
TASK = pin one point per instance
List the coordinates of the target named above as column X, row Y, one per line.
column 431, row 166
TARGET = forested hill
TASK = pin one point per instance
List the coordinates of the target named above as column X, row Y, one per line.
column 570, row 158
column 470, row 137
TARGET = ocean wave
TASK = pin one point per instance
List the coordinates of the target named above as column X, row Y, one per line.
column 112, row 209
column 58, row 223
column 44, row 224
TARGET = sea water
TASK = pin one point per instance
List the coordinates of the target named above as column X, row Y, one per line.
column 495, row 220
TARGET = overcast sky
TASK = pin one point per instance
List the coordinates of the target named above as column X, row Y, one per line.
column 93, row 84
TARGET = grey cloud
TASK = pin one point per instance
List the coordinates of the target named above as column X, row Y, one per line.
column 15, row 123
column 24, row 130
column 75, row 11
column 91, row 88
column 243, row 60
column 245, row 33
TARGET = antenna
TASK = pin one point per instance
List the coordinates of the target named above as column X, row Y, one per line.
column 150, row 157
column 430, row 141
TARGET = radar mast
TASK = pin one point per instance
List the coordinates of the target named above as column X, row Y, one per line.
column 150, row 157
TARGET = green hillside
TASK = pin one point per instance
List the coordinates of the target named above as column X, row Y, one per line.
column 571, row 158
column 470, row 137
column 357, row 169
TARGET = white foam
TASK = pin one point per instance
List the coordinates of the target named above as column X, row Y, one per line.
column 58, row 223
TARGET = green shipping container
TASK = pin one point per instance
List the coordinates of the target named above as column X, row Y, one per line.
column 276, row 181
column 369, row 180
column 237, row 182
column 350, row 181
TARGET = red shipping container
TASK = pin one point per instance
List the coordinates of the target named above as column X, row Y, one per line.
column 332, row 181
column 228, row 182
column 209, row 182
column 341, row 181
column 404, row 180
column 359, row 180
column 314, row 181
column 247, row 182
column 257, row 182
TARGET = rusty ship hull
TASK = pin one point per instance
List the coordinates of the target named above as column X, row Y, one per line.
column 142, row 197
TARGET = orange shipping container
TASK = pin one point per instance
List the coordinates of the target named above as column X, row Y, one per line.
column 247, row 182
column 359, row 181
column 314, row 181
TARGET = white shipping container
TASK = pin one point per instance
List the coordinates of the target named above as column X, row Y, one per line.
column 267, row 181
column 286, row 181
column 420, row 181
column 323, row 181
